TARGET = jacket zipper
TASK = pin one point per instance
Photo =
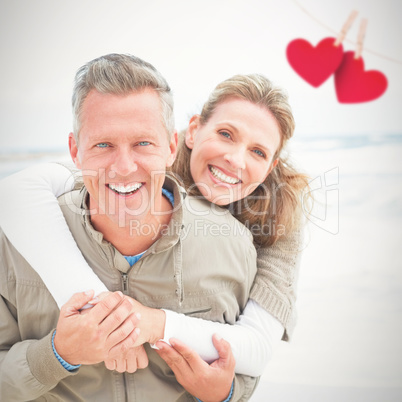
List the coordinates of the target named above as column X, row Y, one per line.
column 124, row 277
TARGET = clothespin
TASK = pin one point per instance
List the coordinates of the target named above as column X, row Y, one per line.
column 345, row 28
column 360, row 38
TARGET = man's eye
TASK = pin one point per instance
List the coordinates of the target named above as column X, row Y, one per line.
column 225, row 134
column 102, row 145
column 259, row 153
column 144, row 143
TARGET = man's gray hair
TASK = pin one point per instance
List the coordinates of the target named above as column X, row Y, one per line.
column 120, row 74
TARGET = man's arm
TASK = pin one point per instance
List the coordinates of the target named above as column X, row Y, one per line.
column 30, row 368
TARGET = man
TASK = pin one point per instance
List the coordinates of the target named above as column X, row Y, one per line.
column 123, row 141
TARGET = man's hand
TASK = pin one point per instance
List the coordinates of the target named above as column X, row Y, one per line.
column 133, row 359
column 88, row 338
column 151, row 325
column 210, row 383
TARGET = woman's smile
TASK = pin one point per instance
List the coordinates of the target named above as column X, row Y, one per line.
column 222, row 177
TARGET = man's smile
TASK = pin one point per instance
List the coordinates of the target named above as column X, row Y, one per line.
column 124, row 190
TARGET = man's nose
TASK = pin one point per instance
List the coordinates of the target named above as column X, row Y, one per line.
column 125, row 163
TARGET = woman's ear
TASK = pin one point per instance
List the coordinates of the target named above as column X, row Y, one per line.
column 273, row 164
column 192, row 129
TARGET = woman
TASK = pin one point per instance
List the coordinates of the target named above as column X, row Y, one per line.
column 231, row 156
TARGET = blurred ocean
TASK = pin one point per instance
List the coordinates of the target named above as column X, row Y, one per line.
column 13, row 161
column 347, row 344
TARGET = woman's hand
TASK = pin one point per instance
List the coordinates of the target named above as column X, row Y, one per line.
column 208, row 382
column 151, row 324
column 133, row 359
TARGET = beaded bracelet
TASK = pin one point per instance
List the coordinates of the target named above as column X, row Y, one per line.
column 228, row 398
column 66, row 365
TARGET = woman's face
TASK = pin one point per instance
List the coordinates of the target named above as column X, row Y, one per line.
column 233, row 152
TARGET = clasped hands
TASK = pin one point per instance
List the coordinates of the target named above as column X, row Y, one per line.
column 114, row 331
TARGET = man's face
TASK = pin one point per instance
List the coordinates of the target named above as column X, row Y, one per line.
column 123, row 152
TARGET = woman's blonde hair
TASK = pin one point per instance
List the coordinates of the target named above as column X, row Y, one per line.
column 273, row 209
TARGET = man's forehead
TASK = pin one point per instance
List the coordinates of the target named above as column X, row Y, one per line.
column 138, row 110
column 145, row 96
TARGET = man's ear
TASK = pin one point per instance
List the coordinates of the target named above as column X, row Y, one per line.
column 192, row 129
column 72, row 145
column 173, row 149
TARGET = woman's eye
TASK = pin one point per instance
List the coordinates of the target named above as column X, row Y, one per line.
column 259, row 153
column 225, row 134
column 102, row 145
column 144, row 143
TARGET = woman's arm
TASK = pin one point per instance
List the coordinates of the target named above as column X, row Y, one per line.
column 253, row 338
column 31, row 218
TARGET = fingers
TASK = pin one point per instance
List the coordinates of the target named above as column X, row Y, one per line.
column 76, row 302
column 95, row 301
column 131, row 360
column 206, row 382
column 142, row 358
column 119, row 365
column 122, row 347
column 110, row 364
column 168, row 354
column 180, row 358
column 135, row 358
column 186, row 353
column 101, row 296
column 125, row 330
column 105, row 309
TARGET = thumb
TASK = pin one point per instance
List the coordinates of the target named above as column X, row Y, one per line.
column 222, row 347
column 226, row 359
column 77, row 302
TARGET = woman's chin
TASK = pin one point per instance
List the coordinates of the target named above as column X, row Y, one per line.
column 222, row 200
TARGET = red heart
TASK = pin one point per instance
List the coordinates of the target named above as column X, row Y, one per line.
column 314, row 64
column 354, row 85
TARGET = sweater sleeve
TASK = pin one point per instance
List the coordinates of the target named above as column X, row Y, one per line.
column 30, row 217
column 253, row 338
column 275, row 283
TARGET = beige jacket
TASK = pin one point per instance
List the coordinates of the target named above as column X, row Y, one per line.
column 204, row 265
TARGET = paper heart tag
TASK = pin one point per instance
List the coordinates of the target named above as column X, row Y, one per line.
column 354, row 85
column 314, row 64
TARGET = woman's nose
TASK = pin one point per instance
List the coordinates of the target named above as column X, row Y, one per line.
column 236, row 159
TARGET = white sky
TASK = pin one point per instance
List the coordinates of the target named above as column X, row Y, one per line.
column 195, row 44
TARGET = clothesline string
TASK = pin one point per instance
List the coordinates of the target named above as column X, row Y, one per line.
column 346, row 40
